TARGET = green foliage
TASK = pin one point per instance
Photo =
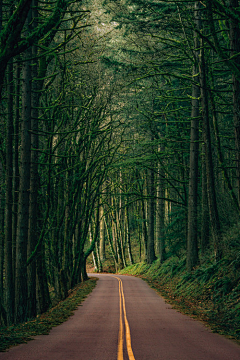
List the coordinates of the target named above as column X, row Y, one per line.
column 210, row 293
column 137, row 269
column 115, row 102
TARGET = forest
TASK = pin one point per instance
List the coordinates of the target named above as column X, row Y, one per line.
column 119, row 143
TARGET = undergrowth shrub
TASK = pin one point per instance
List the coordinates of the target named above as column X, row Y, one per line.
column 211, row 291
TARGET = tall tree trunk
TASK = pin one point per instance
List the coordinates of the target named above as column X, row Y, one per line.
column 128, row 236
column 151, row 211
column 205, row 208
column 144, row 219
column 120, row 222
column 120, row 235
column 16, row 175
column 9, row 294
column 117, row 245
column 102, row 235
column 34, row 182
column 100, row 268
column 235, row 53
column 94, row 252
column 160, row 215
column 23, row 207
column 1, row 3
column 192, row 233
column 115, row 235
column 66, row 240
column 2, row 310
column 113, row 252
column 43, row 295
column 212, row 202
column 144, row 227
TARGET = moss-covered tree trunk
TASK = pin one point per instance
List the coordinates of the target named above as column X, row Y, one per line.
column 23, row 207
column 102, row 235
column 151, row 215
column 204, row 206
column 9, row 286
column 128, row 236
column 211, row 190
column 235, row 54
column 192, row 233
column 33, row 233
column 43, row 296
column 16, row 175
column 160, row 214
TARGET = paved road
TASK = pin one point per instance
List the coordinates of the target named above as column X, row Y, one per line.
column 123, row 319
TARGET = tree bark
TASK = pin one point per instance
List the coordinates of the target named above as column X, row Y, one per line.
column 151, row 212
column 235, row 53
column 43, row 295
column 205, row 208
column 128, row 236
column 34, row 181
column 192, row 233
column 212, row 202
column 102, row 235
column 1, row 245
column 113, row 252
column 16, row 174
column 160, row 216
column 9, row 293
column 144, row 220
column 23, row 207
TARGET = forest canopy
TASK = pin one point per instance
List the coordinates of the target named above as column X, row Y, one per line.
column 120, row 140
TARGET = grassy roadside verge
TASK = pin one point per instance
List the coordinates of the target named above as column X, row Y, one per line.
column 21, row 333
column 210, row 294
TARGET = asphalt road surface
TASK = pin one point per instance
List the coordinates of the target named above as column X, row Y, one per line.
column 124, row 319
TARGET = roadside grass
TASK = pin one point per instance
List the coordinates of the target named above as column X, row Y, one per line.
column 210, row 293
column 42, row 324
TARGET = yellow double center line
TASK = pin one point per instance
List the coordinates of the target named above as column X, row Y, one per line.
column 127, row 328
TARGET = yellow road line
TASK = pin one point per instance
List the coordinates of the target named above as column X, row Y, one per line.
column 120, row 335
column 128, row 334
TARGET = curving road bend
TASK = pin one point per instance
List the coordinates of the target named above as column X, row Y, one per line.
column 124, row 319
